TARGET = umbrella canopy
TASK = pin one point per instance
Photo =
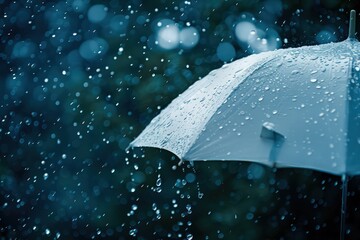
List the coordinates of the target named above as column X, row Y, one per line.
column 296, row 107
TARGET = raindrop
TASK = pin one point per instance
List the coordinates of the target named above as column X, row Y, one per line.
column 46, row 175
column 313, row 80
column 188, row 208
column 158, row 181
column 200, row 195
column 133, row 232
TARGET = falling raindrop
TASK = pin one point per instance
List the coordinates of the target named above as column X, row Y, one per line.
column 133, row 232
column 189, row 236
column 46, row 175
column 158, row 181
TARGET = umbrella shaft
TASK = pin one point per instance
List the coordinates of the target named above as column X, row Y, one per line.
column 343, row 206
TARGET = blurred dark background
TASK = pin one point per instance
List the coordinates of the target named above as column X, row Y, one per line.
column 79, row 81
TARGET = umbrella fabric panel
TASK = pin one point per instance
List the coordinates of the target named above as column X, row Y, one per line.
column 316, row 136
column 303, row 95
column 179, row 124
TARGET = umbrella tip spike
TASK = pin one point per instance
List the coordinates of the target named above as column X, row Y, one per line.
column 352, row 24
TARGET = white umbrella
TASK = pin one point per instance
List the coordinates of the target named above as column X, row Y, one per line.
column 296, row 107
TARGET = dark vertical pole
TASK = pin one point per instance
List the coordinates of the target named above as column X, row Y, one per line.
column 344, row 179
column 352, row 23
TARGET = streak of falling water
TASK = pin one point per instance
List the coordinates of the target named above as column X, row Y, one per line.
column 199, row 193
